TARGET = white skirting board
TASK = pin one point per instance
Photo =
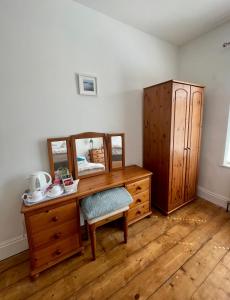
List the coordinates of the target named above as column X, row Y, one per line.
column 13, row 246
column 217, row 199
column 19, row 244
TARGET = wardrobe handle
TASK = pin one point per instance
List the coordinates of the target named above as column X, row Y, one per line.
column 189, row 148
column 55, row 219
column 57, row 252
column 57, row 235
column 185, row 148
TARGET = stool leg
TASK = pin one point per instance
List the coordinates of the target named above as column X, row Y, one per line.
column 125, row 226
column 92, row 233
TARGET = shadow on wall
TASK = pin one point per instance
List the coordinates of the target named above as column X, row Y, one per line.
column 133, row 119
column 11, row 192
column 43, row 155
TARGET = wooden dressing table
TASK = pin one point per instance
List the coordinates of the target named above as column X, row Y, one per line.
column 53, row 227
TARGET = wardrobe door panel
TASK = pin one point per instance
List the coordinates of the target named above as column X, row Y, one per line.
column 179, row 139
column 194, row 137
column 156, row 146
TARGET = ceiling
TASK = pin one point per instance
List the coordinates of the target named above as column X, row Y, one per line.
column 177, row 21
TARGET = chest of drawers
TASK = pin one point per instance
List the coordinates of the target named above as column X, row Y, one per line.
column 141, row 206
column 97, row 156
column 53, row 234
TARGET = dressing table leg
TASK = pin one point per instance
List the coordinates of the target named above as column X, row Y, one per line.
column 125, row 226
column 92, row 233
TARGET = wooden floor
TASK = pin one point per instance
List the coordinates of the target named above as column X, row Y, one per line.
column 183, row 256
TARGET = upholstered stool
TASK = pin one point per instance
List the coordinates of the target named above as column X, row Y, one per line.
column 104, row 207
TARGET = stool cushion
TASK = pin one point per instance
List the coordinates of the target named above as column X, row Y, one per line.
column 105, row 202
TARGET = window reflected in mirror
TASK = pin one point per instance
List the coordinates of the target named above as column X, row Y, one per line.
column 90, row 155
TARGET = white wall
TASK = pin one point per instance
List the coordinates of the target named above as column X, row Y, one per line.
column 43, row 44
column 205, row 61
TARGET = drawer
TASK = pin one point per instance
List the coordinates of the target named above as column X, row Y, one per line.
column 55, row 251
column 140, row 198
column 54, row 234
column 138, row 211
column 52, row 217
column 97, row 151
column 138, row 186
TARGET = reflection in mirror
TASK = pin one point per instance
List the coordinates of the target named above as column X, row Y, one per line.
column 60, row 157
column 117, row 155
column 90, row 155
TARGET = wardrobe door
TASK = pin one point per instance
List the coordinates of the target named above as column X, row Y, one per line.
column 194, row 137
column 179, row 139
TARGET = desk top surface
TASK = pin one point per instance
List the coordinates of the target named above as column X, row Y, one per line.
column 94, row 184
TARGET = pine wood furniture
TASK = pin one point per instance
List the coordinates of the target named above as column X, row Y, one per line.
column 53, row 227
column 95, row 223
column 172, row 133
column 53, row 157
column 97, row 155
column 116, row 161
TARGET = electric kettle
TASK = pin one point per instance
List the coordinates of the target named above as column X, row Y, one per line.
column 39, row 181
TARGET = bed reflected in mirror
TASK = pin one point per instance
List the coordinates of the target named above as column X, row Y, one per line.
column 117, row 151
column 59, row 155
column 90, row 155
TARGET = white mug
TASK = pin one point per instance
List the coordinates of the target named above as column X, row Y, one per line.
column 56, row 190
column 37, row 195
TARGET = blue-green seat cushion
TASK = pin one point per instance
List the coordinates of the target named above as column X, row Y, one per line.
column 105, row 202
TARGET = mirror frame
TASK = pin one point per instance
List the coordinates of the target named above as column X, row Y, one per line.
column 109, row 138
column 50, row 154
column 88, row 135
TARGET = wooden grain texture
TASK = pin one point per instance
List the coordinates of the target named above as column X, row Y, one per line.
column 157, row 109
column 178, row 149
column 51, row 156
column 194, row 139
column 116, row 165
column 171, row 141
column 165, row 258
column 88, row 186
column 138, row 186
column 89, row 135
column 148, row 229
column 51, row 237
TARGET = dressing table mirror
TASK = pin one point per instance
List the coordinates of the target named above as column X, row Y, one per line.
column 116, row 145
column 89, row 154
column 59, row 151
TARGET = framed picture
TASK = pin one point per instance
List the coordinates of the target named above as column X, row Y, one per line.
column 87, row 85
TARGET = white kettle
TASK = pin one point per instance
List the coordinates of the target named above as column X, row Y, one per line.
column 39, row 181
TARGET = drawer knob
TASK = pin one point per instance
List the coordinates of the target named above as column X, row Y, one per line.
column 57, row 235
column 55, row 219
column 138, row 200
column 57, row 252
column 138, row 212
column 138, row 188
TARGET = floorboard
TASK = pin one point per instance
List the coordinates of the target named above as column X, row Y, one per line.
column 183, row 256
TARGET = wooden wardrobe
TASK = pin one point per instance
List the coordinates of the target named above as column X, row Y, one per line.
column 172, row 133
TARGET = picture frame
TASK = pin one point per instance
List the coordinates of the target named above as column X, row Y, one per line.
column 87, row 85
